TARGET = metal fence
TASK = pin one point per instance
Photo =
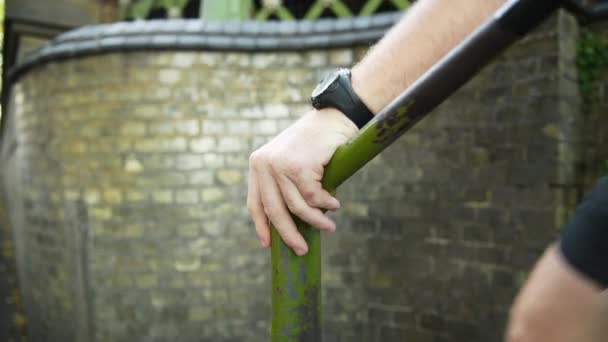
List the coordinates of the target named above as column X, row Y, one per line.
column 256, row 9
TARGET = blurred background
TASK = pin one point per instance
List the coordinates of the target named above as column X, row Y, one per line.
column 124, row 140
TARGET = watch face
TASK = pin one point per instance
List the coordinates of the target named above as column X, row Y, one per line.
column 321, row 87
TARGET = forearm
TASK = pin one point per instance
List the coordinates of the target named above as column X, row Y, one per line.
column 556, row 304
column 429, row 30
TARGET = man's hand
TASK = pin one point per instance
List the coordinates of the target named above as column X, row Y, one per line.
column 285, row 176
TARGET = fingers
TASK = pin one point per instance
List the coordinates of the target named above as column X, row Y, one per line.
column 298, row 206
column 283, row 182
column 256, row 210
column 279, row 215
column 312, row 192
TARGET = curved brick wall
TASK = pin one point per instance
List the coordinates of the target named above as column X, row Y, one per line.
column 148, row 152
column 126, row 174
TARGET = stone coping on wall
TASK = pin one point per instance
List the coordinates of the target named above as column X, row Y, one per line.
column 196, row 34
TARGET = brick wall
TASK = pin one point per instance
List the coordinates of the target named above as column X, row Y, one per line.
column 129, row 181
column 144, row 158
column 11, row 316
column 439, row 231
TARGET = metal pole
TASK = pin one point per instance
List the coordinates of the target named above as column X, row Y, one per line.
column 296, row 281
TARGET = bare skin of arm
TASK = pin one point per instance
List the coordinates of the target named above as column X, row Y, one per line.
column 285, row 174
column 429, row 31
column 558, row 304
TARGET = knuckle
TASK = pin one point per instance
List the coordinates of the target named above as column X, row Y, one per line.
column 281, row 162
column 261, row 158
column 290, row 203
column 294, row 169
column 271, row 211
column 276, row 160
column 310, row 197
column 297, row 177
column 294, row 208
column 255, row 159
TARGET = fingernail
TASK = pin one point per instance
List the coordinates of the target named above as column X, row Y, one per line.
column 336, row 203
column 300, row 251
column 263, row 243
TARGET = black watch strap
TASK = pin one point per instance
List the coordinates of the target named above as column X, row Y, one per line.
column 341, row 95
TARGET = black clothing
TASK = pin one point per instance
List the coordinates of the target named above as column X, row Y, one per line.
column 584, row 241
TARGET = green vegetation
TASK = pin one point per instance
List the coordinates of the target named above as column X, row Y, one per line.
column 591, row 60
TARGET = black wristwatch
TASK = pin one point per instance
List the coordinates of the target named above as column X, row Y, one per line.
column 336, row 91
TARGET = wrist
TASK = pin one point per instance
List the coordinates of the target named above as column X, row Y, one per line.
column 336, row 91
column 364, row 91
column 336, row 120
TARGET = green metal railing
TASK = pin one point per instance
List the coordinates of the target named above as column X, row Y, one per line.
column 296, row 280
column 248, row 9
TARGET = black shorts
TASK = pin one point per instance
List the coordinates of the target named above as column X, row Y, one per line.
column 584, row 241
